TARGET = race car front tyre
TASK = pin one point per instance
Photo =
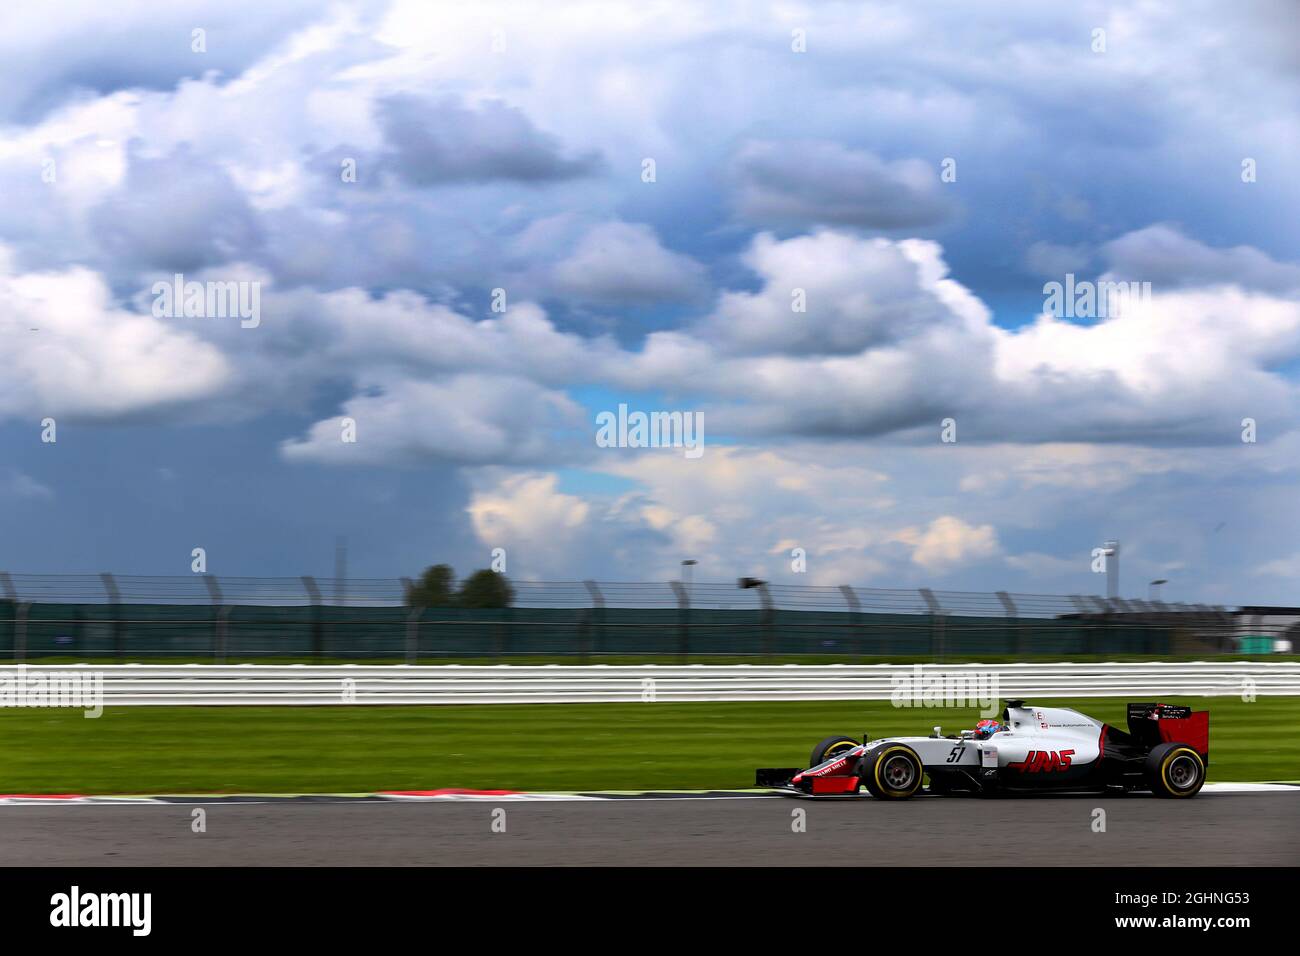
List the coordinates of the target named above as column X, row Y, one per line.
column 1174, row 770
column 829, row 747
column 891, row 771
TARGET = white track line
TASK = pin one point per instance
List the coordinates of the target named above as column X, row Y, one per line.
column 657, row 796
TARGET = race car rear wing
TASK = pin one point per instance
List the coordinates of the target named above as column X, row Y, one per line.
column 1153, row 724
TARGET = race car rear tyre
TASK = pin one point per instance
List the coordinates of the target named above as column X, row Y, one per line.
column 829, row 747
column 1175, row 771
column 891, row 771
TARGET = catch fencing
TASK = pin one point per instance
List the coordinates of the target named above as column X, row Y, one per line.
column 219, row 619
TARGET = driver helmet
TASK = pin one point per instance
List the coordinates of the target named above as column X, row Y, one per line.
column 987, row 728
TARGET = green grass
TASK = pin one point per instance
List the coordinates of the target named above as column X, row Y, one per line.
column 522, row 747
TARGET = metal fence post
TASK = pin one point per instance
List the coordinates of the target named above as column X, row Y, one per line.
column 595, row 616
column 317, row 627
column 936, row 623
column 1107, row 612
column 21, row 608
column 115, row 605
column 412, row 622
column 1082, row 608
column 20, row 616
column 220, row 616
column 1009, row 606
column 1119, row 620
column 500, row 630
column 768, row 618
column 683, row 619
column 855, row 618
column 413, row 634
column 1223, row 627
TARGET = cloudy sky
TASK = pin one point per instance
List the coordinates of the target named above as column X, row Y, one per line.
column 915, row 172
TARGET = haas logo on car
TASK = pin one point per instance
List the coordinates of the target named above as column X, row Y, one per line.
column 1037, row 761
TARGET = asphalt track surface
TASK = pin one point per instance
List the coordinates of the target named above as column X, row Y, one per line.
column 1212, row 830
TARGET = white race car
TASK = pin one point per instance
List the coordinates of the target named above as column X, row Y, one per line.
column 1166, row 751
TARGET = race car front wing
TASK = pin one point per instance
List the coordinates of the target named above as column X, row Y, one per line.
column 782, row 778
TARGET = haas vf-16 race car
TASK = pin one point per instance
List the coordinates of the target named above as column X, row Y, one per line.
column 1165, row 751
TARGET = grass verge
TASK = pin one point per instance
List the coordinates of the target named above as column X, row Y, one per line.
column 522, row 747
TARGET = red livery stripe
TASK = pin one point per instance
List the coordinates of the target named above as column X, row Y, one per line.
column 448, row 792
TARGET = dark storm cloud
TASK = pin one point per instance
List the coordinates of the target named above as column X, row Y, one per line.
column 179, row 213
column 54, row 54
column 809, row 182
column 435, row 142
column 1167, row 258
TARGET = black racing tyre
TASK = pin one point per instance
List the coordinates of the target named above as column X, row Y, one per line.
column 891, row 771
column 1175, row 771
column 829, row 747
